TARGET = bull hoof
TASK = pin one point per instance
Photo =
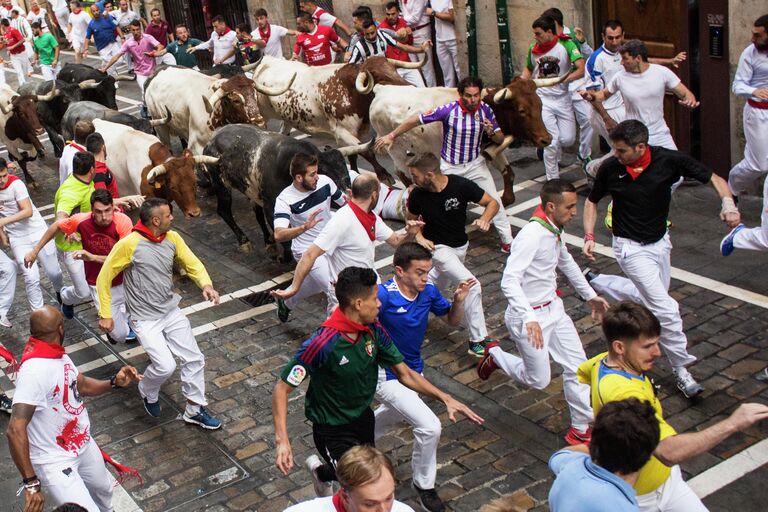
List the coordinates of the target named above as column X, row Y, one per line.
column 385, row 177
column 273, row 251
column 246, row 248
column 508, row 198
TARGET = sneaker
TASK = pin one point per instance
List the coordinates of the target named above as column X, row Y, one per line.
column 282, row 310
column 726, row 246
column 322, row 489
column 686, row 383
column 609, row 217
column 506, row 248
column 487, row 364
column 477, row 348
column 58, row 298
column 152, row 408
column 762, row 376
column 589, row 274
column 6, row 404
column 203, row 419
column 574, row 437
column 5, row 322
column 131, row 336
column 429, row 500
column 68, row 311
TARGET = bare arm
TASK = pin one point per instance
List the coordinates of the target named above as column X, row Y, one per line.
column 302, row 271
column 590, row 218
column 578, row 72
column 49, row 234
column 412, row 228
column 227, row 55
column 344, row 28
column 18, row 442
column 283, row 451
column 686, row 97
column 286, row 234
column 88, row 386
column 387, row 140
column 456, row 313
column 25, row 212
column 491, row 209
column 729, row 213
column 111, row 61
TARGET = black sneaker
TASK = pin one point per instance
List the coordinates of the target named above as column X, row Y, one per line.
column 589, row 274
column 429, row 500
column 58, row 298
column 283, row 311
column 6, row 404
column 68, row 311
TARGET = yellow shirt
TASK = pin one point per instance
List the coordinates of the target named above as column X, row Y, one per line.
column 610, row 385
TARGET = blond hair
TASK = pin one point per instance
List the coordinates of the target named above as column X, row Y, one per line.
column 361, row 465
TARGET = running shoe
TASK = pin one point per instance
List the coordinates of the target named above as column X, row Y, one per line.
column 574, row 437
column 726, row 246
column 131, row 336
column 152, row 408
column 686, row 383
column 283, row 311
column 5, row 322
column 68, row 311
column 477, row 348
column 506, row 248
column 429, row 500
column 322, row 489
column 6, row 404
column 203, row 419
column 487, row 364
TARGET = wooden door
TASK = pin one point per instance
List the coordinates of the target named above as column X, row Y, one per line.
column 663, row 26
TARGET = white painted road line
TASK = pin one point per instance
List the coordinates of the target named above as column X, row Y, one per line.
column 730, row 470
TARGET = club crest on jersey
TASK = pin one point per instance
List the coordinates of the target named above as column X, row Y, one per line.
column 369, row 348
column 296, row 375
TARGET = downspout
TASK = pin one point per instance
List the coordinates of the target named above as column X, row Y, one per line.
column 505, row 47
column 472, row 38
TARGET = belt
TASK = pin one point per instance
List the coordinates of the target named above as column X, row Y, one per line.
column 762, row 105
column 420, row 26
column 541, row 306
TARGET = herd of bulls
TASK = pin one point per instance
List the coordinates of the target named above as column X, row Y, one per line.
column 220, row 117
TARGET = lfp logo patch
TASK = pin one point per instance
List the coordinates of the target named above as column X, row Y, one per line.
column 296, row 375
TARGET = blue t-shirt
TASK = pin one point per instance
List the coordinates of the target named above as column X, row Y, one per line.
column 583, row 486
column 103, row 31
column 406, row 320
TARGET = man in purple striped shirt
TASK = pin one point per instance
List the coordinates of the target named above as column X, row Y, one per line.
column 464, row 122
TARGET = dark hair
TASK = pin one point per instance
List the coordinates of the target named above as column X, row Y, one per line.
column 260, row 12
column 218, row 19
column 305, row 16
column 94, row 143
column 554, row 13
column 70, row 507
column 155, row 10
column 553, row 190
column 82, row 130
column 545, row 23
column 364, row 186
column 470, row 81
column 135, row 23
column 762, row 21
column 148, row 209
column 36, row 24
column 392, row 5
column 628, row 321
column 101, row 195
column 3, row 163
column 364, row 12
column 625, row 434
column 353, row 283
column 76, row 4
column 244, row 27
column 631, row 131
column 408, row 252
column 300, row 162
column 635, row 48
column 82, row 163
column 368, row 23
column 180, row 25
column 613, row 25
column 425, row 162
column 4, row 22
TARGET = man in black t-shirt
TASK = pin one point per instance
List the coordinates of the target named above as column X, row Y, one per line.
column 440, row 201
column 639, row 180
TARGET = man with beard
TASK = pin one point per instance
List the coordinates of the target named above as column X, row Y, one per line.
column 102, row 28
column 270, row 35
column 314, row 41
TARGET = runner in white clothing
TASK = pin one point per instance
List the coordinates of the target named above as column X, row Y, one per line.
column 415, row 14
column 348, row 239
column 445, row 40
column 324, row 18
column 7, row 283
column 536, row 317
column 77, row 26
column 221, row 43
column 392, row 201
column 301, row 212
column 271, row 35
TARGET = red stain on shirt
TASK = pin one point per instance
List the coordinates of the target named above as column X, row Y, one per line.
column 71, row 437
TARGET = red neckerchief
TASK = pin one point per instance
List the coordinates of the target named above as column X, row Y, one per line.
column 11, row 359
column 541, row 49
column 466, row 110
column 38, row 348
column 367, row 219
column 36, row 9
column 337, row 503
column 124, row 473
column 76, row 11
column 77, row 146
column 147, row 233
column 635, row 168
column 265, row 35
column 227, row 30
column 11, row 179
column 341, row 323
column 541, row 218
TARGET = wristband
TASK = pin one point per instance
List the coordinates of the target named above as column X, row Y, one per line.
column 728, row 205
column 113, row 381
column 29, row 480
column 589, row 237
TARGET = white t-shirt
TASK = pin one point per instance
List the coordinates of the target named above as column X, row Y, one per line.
column 274, row 47
column 326, row 505
column 58, row 5
column 79, row 24
column 31, row 227
column 40, row 16
column 221, row 45
column 293, row 208
column 643, row 95
column 557, row 62
column 444, row 30
column 124, row 19
column 347, row 244
column 66, row 161
column 324, row 18
column 60, row 428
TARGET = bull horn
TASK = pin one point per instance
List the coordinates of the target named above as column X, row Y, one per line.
column 408, row 65
column 48, row 97
column 7, row 108
column 249, row 67
column 124, row 78
column 205, row 159
column 210, row 103
column 496, row 150
column 364, row 77
column 162, row 120
column 274, row 91
column 501, row 96
column 549, row 82
column 357, row 148
column 89, row 84
column 156, row 171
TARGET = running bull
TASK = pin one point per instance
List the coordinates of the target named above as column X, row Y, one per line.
column 89, row 110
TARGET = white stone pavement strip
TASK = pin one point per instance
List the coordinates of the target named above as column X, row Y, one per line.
column 730, row 470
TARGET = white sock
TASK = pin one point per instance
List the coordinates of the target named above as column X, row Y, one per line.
column 192, row 409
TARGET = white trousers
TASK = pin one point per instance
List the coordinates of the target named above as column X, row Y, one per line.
column 162, row 339
column 87, row 482
column 395, row 202
column 618, row 114
column 583, row 111
column 80, row 291
column 20, row 63
column 447, row 272
column 674, row 496
column 562, row 341
column 756, row 238
column 140, row 81
column 448, row 56
column 412, row 76
column 47, row 258
column 648, row 270
column 7, row 283
column 557, row 114
column 419, row 36
column 755, row 162
column 477, row 170
column 399, row 403
column 50, row 72
column 319, row 280
column 106, row 55
column 119, row 312
column 62, row 18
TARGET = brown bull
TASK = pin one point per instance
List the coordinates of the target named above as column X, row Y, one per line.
column 172, row 178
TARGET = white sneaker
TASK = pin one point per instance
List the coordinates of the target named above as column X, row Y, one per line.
column 322, row 489
column 686, row 383
column 5, row 322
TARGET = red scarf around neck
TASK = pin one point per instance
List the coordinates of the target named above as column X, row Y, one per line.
column 265, row 35
column 367, row 219
column 466, row 109
column 337, row 503
column 10, row 180
column 635, row 168
column 40, row 349
column 341, row 323
column 541, row 49
column 147, row 233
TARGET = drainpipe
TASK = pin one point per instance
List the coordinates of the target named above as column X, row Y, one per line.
column 505, row 46
column 472, row 38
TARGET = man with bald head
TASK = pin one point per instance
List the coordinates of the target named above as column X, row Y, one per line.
column 49, row 434
column 349, row 238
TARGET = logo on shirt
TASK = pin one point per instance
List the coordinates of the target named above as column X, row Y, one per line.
column 549, row 67
column 369, row 348
column 71, row 398
column 401, row 309
column 451, row 204
column 296, row 375
column 343, row 361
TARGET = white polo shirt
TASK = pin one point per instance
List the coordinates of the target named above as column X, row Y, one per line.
column 274, row 47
